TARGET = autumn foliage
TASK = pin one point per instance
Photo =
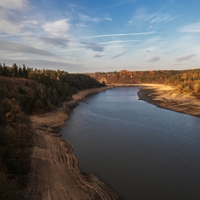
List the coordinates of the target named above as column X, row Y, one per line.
column 25, row 91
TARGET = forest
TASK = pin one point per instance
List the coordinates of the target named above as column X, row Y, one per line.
column 25, row 91
column 185, row 81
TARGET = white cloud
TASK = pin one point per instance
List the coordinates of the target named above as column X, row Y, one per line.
column 154, row 59
column 191, row 28
column 184, row 57
column 153, row 18
column 30, row 23
column 12, row 16
column 87, row 18
column 7, row 25
column 14, row 4
column 120, row 41
column 108, row 18
column 120, row 34
column 58, row 28
column 12, row 46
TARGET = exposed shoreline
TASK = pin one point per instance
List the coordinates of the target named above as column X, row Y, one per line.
column 55, row 173
column 166, row 97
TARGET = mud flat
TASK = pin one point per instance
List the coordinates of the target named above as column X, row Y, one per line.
column 55, row 173
column 166, row 97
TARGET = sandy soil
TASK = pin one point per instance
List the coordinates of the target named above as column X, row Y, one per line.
column 80, row 95
column 55, row 173
column 166, row 97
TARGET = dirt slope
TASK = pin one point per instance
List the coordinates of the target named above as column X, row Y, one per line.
column 55, row 172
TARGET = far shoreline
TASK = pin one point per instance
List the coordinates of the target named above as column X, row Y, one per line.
column 165, row 96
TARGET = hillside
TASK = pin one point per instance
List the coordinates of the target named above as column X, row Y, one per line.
column 24, row 92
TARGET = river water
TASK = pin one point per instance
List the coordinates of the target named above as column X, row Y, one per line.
column 143, row 152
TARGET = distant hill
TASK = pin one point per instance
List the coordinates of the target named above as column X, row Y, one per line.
column 186, row 81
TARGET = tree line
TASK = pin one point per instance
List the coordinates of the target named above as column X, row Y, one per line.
column 185, row 81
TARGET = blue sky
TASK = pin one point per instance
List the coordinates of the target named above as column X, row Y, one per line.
column 99, row 35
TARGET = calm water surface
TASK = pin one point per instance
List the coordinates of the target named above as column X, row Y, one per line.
column 143, row 152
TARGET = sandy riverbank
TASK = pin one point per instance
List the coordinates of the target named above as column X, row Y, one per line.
column 55, row 173
column 166, row 97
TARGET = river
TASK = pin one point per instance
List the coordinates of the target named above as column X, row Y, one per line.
column 143, row 152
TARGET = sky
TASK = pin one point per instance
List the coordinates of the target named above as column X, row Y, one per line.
column 100, row 35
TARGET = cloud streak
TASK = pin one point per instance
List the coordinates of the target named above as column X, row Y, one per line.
column 153, row 18
column 119, row 55
column 93, row 46
column 184, row 57
column 120, row 34
column 11, row 46
column 120, row 41
column 87, row 18
column 154, row 59
column 62, row 42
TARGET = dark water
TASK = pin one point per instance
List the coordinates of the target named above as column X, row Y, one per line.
column 142, row 151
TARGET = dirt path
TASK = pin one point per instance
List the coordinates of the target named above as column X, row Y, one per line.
column 166, row 97
column 55, row 173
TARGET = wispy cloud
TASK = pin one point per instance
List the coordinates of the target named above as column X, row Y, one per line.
column 154, row 59
column 57, row 28
column 14, row 4
column 191, row 28
column 62, row 42
column 151, row 18
column 9, row 26
column 87, row 18
column 119, row 55
column 119, row 34
column 11, row 46
column 185, row 57
column 93, row 46
column 120, row 41
column 80, row 25
column 108, row 18
column 12, row 19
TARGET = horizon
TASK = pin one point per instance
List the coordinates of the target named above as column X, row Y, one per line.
column 87, row 36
